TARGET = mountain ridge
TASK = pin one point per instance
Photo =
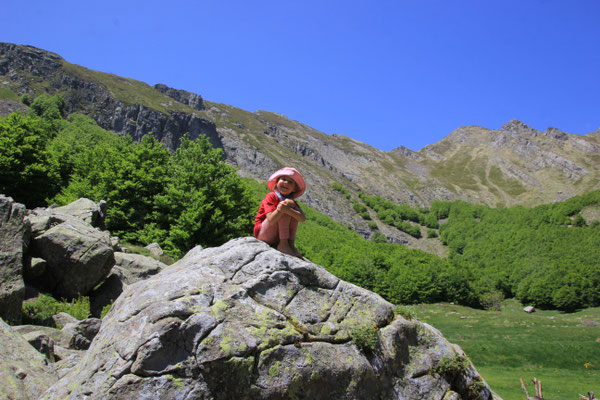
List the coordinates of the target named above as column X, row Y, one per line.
column 498, row 167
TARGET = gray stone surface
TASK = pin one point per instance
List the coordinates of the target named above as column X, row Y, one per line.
column 78, row 257
column 14, row 237
column 136, row 267
column 84, row 209
column 129, row 268
column 245, row 321
column 24, row 373
column 78, row 335
column 62, row 318
column 107, row 292
column 155, row 249
column 41, row 342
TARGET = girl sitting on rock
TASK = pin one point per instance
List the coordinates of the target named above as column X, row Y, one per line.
column 278, row 215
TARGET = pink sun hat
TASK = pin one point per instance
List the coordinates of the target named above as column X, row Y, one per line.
column 292, row 173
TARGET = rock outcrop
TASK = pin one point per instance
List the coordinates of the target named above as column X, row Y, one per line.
column 20, row 65
column 78, row 258
column 14, row 235
column 24, row 373
column 246, row 321
column 128, row 269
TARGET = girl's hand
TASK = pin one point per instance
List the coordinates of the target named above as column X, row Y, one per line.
column 286, row 206
column 289, row 202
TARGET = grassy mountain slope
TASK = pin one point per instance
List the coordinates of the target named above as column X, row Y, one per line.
column 513, row 165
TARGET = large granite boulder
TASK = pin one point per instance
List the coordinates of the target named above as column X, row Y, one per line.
column 24, row 373
column 128, row 269
column 14, row 236
column 78, row 257
column 246, row 321
column 85, row 210
column 136, row 267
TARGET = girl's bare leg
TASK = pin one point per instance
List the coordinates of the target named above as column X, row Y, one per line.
column 284, row 247
column 294, row 249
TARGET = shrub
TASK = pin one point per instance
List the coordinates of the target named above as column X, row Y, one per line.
column 579, row 221
column 492, row 300
column 379, row 238
column 406, row 312
column 26, row 171
column 361, row 210
column 450, row 366
column 339, row 188
column 365, row 337
column 45, row 306
column 106, row 309
column 25, row 99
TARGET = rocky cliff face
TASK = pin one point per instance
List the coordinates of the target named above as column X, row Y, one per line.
column 28, row 70
column 513, row 165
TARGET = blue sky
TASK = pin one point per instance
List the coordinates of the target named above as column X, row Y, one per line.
column 388, row 73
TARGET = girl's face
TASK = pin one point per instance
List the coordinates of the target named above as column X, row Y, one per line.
column 285, row 185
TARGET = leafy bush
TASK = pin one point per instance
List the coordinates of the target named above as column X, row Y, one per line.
column 27, row 172
column 181, row 200
column 406, row 312
column 361, row 210
column 48, row 107
column 451, row 365
column 379, row 238
column 106, row 309
column 45, row 306
column 339, row 188
column 527, row 253
column 492, row 300
column 365, row 337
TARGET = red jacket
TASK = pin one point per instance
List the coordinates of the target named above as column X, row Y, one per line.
column 269, row 204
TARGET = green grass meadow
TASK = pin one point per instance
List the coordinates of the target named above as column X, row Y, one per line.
column 560, row 349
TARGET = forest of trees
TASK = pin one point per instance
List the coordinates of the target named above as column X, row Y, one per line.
column 547, row 256
column 179, row 200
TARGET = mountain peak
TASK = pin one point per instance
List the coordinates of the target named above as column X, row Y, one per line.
column 556, row 134
column 517, row 128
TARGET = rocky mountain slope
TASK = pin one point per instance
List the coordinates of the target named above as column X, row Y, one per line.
column 512, row 165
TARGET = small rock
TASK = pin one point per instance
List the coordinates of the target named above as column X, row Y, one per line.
column 62, row 318
column 42, row 343
column 529, row 309
column 155, row 249
column 114, row 241
column 79, row 335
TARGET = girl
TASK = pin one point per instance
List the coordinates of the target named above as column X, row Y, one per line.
column 278, row 214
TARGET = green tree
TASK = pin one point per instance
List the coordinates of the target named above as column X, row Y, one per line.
column 26, row 171
column 48, row 107
column 205, row 201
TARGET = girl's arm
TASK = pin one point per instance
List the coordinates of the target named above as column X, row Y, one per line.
column 274, row 216
column 291, row 208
